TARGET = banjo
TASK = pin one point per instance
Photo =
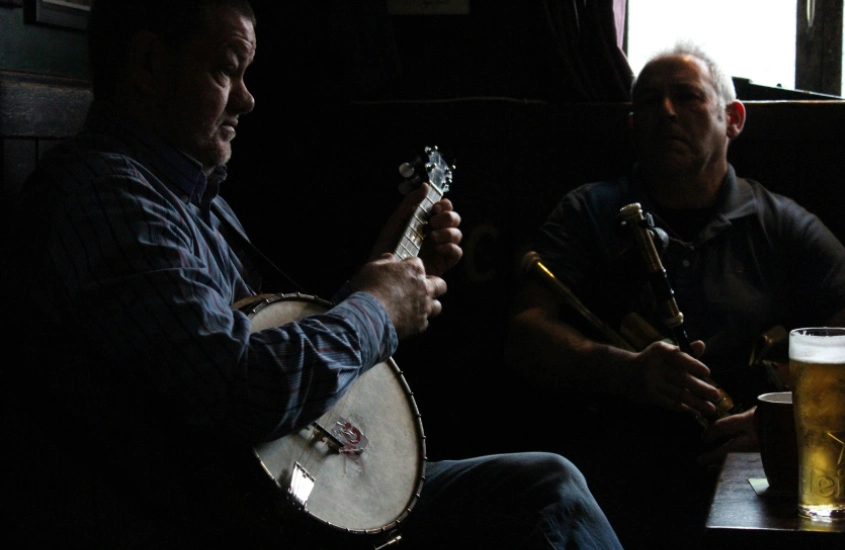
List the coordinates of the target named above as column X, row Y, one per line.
column 360, row 467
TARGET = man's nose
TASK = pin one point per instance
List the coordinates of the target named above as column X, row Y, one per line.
column 241, row 101
column 668, row 106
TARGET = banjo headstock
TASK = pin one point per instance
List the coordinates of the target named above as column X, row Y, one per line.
column 429, row 168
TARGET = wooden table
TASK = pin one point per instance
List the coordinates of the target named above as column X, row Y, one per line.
column 740, row 518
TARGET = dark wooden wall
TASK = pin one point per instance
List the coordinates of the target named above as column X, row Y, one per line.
column 36, row 111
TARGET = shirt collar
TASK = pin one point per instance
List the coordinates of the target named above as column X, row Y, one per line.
column 736, row 198
column 180, row 172
column 735, row 201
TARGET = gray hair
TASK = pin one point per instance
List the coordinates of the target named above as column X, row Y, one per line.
column 723, row 83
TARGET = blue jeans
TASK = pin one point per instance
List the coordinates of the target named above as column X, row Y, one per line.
column 514, row 501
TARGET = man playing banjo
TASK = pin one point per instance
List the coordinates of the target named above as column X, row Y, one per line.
column 140, row 376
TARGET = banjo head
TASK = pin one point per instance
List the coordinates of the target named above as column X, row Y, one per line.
column 365, row 456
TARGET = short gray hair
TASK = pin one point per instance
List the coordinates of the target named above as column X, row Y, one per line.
column 723, row 83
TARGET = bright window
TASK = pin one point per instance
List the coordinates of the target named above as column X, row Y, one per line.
column 731, row 31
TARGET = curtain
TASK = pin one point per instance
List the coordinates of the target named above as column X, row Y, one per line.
column 560, row 50
column 587, row 38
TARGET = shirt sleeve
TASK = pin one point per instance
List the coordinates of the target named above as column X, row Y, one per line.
column 304, row 367
column 814, row 260
column 579, row 240
column 566, row 241
column 131, row 276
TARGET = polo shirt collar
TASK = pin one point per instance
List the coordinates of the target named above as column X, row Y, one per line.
column 736, row 200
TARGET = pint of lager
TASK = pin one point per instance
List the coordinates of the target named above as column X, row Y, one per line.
column 817, row 374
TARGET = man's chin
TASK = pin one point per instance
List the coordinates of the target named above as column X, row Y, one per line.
column 218, row 157
column 667, row 166
column 671, row 158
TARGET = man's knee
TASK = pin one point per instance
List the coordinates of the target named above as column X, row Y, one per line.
column 553, row 464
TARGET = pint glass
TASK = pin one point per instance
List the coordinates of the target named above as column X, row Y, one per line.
column 817, row 374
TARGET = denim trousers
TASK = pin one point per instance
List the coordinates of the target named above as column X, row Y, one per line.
column 521, row 500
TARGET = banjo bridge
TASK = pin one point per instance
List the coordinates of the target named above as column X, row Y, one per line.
column 330, row 438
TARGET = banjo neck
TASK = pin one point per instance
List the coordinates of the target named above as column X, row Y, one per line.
column 411, row 241
column 438, row 175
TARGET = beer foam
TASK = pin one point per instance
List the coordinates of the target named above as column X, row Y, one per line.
column 813, row 348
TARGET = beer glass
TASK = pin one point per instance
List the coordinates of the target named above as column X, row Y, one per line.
column 817, row 375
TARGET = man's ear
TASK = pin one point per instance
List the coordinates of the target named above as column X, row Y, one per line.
column 146, row 57
column 735, row 114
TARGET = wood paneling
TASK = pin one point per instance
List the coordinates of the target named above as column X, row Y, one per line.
column 40, row 106
column 36, row 112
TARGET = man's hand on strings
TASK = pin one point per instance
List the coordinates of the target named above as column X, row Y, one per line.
column 441, row 249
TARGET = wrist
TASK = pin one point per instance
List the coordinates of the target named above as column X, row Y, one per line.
column 623, row 370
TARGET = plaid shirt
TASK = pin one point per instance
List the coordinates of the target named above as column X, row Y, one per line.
column 127, row 262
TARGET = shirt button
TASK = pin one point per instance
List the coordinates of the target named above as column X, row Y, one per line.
column 185, row 199
column 685, row 263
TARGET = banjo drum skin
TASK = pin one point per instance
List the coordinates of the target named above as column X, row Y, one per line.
column 365, row 456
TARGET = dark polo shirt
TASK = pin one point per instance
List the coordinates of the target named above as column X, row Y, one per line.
column 757, row 260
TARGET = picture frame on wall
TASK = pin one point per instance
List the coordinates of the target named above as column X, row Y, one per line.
column 69, row 14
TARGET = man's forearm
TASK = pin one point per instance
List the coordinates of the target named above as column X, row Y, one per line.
column 556, row 354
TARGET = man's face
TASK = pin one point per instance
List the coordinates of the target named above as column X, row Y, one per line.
column 204, row 91
column 679, row 124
